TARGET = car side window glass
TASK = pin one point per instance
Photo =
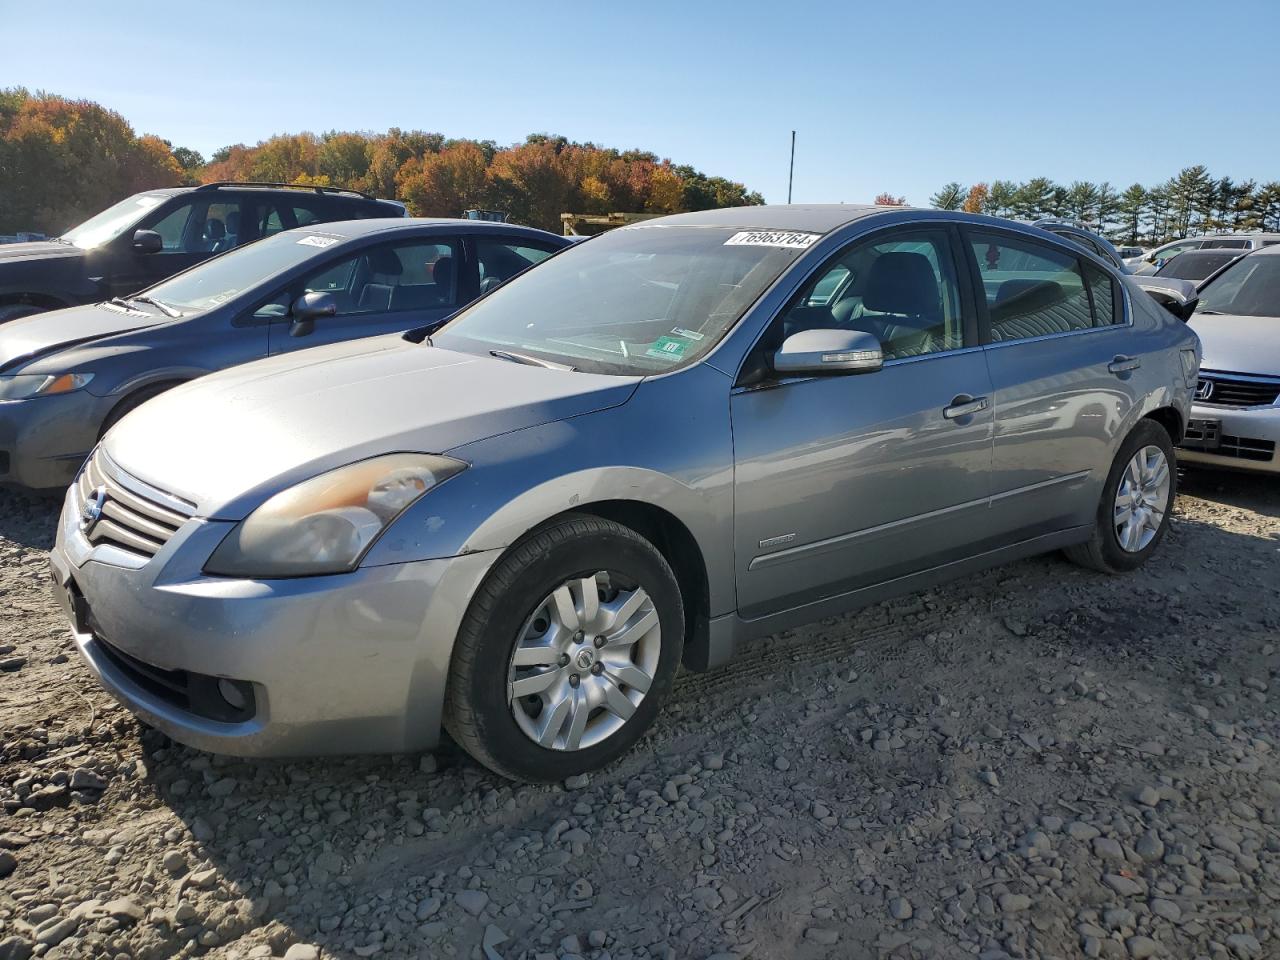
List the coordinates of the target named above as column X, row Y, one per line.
column 305, row 216
column 901, row 289
column 500, row 260
column 1106, row 297
column 391, row 279
column 172, row 227
column 1031, row 290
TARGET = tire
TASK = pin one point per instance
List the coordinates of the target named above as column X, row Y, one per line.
column 1104, row 551
column 515, row 608
column 132, row 402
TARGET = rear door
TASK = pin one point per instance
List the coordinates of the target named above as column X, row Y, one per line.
column 845, row 481
column 1060, row 350
column 384, row 288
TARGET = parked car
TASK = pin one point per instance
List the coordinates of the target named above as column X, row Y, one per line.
column 153, row 235
column 1197, row 265
column 1230, row 241
column 67, row 376
column 1236, row 418
column 1131, row 256
column 655, row 446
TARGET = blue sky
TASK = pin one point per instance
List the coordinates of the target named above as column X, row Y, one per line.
column 897, row 96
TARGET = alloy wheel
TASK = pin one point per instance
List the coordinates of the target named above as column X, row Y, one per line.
column 1141, row 499
column 584, row 661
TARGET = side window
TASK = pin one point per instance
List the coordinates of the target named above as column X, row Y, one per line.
column 274, row 217
column 1107, row 301
column 200, row 227
column 901, row 289
column 500, row 260
column 172, row 227
column 391, row 278
column 1232, row 244
column 305, row 216
column 1031, row 290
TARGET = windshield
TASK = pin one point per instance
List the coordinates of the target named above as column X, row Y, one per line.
column 1250, row 287
column 113, row 221
column 216, row 281
column 635, row 301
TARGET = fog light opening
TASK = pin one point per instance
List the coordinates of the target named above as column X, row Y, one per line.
column 233, row 692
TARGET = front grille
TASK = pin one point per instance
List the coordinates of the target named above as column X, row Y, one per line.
column 192, row 692
column 1236, row 390
column 116, row 511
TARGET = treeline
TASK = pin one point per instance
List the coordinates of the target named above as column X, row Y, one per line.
column 1190, row 203
column 61, row 161
column 534, row 181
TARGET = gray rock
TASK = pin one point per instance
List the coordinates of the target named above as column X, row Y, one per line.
column 222, row 788
column 125, row 910
column 822, row 935
column 15, row 948
column 302, row 951
column 427, row 909
column 472, row 901
column 8, row 863
column 1148, row 796
column 82, row 778
column 1079, row 830
column 577, row 782
column 1140, row 948
column 1107, row 849
column 1123, row 885
column 900, row 908
column 1014, row 902
column 174, row 862
column 53, row 932
column 1244, row 945
column 12, row 664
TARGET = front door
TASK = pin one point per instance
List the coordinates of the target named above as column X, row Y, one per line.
column 1058, row 350
column 191, row 232
column 385, row 288
column 846, row 481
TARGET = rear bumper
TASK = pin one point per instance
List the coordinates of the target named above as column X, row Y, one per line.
column 354, row 663
column 1247, row 438
column 44, row 440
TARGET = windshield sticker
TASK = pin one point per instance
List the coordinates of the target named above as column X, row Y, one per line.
column 792, row 239
column 687, row 334
column 316, row 240
column 667, row 348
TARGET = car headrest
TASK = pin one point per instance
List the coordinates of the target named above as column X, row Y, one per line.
column 442, row 272
column 902, row 283
column 233, row 222
column 384, row 262
column 214, row 230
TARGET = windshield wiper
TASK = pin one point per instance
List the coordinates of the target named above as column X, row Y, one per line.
column 1214, row 312
column 164, row 308
column 531, row 361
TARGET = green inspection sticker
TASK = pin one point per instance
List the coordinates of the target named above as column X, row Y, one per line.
column 667, row 348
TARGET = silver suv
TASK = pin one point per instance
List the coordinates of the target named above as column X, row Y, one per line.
column 649, row 449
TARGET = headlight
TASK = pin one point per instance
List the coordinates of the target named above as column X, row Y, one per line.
column 25, row 385
column 328, row 523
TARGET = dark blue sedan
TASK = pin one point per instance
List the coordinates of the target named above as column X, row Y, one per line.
column 67, row 376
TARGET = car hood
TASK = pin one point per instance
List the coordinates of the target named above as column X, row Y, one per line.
column 229, row 441
column 37, row 250
column 41, row 334
column 1239, row 344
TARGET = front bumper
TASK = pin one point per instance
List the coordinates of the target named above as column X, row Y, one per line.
column 44, row 440
column 1244, row 438
column 353, row 663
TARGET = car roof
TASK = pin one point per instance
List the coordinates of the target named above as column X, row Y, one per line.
column 353, row 229
column 811, row 217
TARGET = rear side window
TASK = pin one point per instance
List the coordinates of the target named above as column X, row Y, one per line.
column 391, row 278
column 1105, row 291
column 1033, row 290
column 500, row 260
column 1232, row 244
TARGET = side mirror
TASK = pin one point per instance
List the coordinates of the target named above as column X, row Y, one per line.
column 829, row 351
column 147, row 241
column 307, row 308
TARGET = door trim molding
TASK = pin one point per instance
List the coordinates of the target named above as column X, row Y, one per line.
column 779, row 557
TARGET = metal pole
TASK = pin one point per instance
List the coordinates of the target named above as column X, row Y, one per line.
column 791, row 172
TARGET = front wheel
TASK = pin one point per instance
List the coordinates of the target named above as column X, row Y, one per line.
column 1133, row 515
column 566, row 653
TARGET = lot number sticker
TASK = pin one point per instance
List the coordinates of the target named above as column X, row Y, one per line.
column 315, row 240
column 793, row 239
column 667, row 348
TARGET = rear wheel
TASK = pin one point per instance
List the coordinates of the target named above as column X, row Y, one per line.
column 1137, row 500
column 566, row 653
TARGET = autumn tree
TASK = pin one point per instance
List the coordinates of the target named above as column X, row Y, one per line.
column 977, row 198
column 889, row 200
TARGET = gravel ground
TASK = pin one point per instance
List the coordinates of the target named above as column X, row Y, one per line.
column 1035, row 762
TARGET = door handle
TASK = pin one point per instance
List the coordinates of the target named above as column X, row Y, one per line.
column 964, row 406
column 1123, row 364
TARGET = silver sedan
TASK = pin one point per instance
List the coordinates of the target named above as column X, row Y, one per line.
column 648, row 450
